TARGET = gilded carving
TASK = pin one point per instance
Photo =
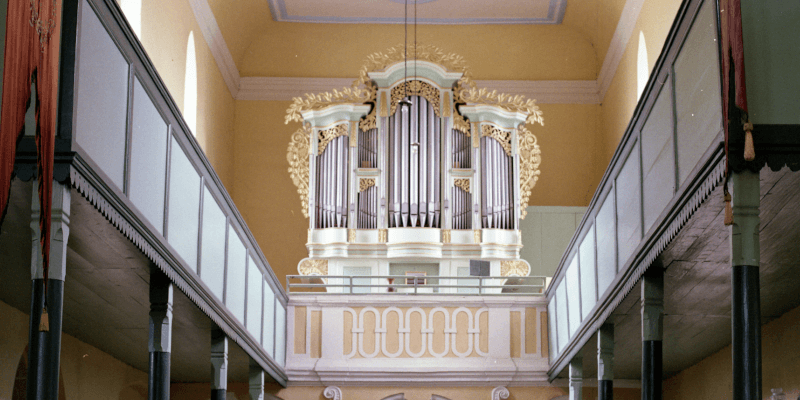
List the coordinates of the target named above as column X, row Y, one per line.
column 476, row 138
column 445, row 235
column 365, row 183
column 460, row 124
column 415, row 88
column 297, row 155
column 530, row 156
column 384, row 105
column 509, row 102
column 383, row 235
column 354, row 94
column 514, row 267
column 368, row 122
column 327, row 135
column 353, row 135
column 351, row 235
column 462, row 184
column 477, row 233
column 313, row 267
column 448, row 104
column 503, row 137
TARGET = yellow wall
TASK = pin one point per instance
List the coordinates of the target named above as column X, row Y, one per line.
column 655, row 20
column 780, row 365
column 86, row 372
column 165, row 33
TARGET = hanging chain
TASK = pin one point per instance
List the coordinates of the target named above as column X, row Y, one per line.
column 43, row 29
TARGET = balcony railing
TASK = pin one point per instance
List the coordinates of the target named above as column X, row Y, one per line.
column 419, row 285
column 136, row 160
column 668, row 161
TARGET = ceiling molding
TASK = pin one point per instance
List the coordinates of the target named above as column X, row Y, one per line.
column 555, row 15
column 216, row 43
column 545, row 92
column 622, row 35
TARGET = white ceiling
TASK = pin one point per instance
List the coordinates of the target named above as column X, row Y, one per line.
column 442, row 12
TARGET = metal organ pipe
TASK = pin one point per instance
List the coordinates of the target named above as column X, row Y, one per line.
column 497, row 176
column 331, row 185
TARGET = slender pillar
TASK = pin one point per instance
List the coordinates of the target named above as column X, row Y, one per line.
column 605, row 362
column 576, row 378
column 256, row 381
column 45, row 345
column 219, row 364
column 745, row 295
column 160, row 341
column 652, row 332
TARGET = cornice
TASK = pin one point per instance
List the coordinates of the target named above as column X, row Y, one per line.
column 622, row 35
column 216, row 43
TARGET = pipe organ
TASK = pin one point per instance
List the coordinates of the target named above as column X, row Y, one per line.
column 413, row 168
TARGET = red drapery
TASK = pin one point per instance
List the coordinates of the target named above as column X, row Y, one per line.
column 732, row 61
column 31, row 54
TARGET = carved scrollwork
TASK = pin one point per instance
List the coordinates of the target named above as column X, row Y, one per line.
column 351, row 235
column 297, row 155
column 514, row 267
column 462, row 184
column 332, row 392
column 460, row 124
column 477, row 234
column 383, row 235
column 509, row 102
column 354, row 94
column 368, row 122
column 500, row 393
column 415, row 88
column 503, row 137
column 327, row 135
column 365, row 183
column 530, row 156
column 313, row 267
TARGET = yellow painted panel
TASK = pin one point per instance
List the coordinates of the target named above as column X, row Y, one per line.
column 530, row 330
column 543, row 332
column 392, row 336
column 415, row 338
column 315, row 335
column 437, row 343
column 299, row 330
column 515, row 329
column 370, row 338
column 462, row 333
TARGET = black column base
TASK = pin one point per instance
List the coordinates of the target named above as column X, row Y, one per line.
column 158, row 378
column 652, row 370
column 746, row 332
column 218, row 394
column 605, row 389
column 44, row 350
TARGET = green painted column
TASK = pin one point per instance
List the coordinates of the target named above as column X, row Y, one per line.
column 219, row 364
column 652, row 332
column 605, row 362
column 576, row 378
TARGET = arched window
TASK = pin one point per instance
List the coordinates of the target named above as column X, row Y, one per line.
column 642, row 68
column 190, row 87
column 133, row 12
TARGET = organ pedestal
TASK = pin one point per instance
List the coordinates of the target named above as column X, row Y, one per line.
column 419, row 169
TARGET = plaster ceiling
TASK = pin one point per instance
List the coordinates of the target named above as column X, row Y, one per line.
column 448, row 12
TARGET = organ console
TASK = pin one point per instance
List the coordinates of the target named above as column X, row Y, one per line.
column 413, row 169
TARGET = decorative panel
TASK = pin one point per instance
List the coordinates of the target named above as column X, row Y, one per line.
column 562, row 315
column 212, row 245
column 658, row 157
column 697, row 91
column 573, row 295
column 102, row 98
column 184, row 205
column 255, row 280
column 629, row 207
column 552, row 338
column 280, row 334
column 268, row 334
column 606, row 244
column 148, row 169
column 588, row 273
column 235, row 281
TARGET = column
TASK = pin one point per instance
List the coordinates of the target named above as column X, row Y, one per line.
column 745, row 296
column 576, row 378
column 219, row 364
column 256, row 381
column 652, row 331
column 160, row 338
column 44, row 336
column 605, row 362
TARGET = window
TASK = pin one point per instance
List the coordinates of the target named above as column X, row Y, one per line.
column 190, row 87
column 642, row 68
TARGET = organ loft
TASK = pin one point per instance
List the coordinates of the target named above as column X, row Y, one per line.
column 413, row 171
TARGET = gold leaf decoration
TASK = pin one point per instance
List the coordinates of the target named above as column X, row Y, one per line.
column 460, row 124
column 514, row 267
column 297, row 155
column 477, row 234
column 368, row 122
column 354, row 94
column 445, row 235
column 415, row 88
column 327, row 135
column 313, row 267
column 448, row 104
column 513, row 103
column 383, row 235
column 530, row 156
column 462, row 184
column 351, row 235
column 503, row 137
column 365, row 183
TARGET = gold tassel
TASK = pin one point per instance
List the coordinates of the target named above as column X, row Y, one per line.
column 728, row 210
column 44, row 322
column 749, row 150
